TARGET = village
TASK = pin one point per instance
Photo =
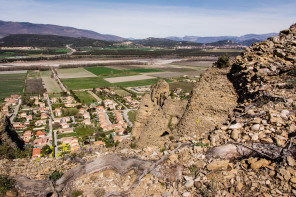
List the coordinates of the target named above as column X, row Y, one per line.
column 57, row 125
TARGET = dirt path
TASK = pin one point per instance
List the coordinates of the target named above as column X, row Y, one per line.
column 213, row 99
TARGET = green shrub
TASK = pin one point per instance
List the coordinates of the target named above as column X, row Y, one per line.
column 77, row 193
column 133, row 145
column 223, row 61
column 56, row 175
column 5, row 183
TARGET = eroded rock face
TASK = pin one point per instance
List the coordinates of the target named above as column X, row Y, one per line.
column 157, row 115
column 8, row 136
column 213, row 100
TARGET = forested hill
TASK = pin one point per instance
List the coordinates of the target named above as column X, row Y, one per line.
column 31, row 40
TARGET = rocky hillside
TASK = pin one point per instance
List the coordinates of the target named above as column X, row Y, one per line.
column 246, row 147
column 8, row 136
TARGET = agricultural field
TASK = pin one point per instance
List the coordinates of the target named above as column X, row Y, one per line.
column 34, row 87
column 120, row 91
column 33, row 74
column 50, row 84
column 138, row 83
column 85, row 97
column 86, row 83
column 66, row 73
column 128, row 78
column 104, row 71
column 187, row 87
column 12, row 84
column 132, row 115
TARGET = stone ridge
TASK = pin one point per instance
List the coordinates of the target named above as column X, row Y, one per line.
column 8, row 136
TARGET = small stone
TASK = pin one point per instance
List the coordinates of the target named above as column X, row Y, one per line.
column 239, row 187
column 293, row 180
column 186, row 194
column 255, row 127
column 255, row 137
column 11, row 193
column 264, row 122
column 218, row 165
column 235, row 134
column 291, row 161
column 267, row 182
column 236, row 126
column 280, row 140
column 199, row 164
column 173, row 157
column 189, row 184
column 166, row 194
column 258, row 164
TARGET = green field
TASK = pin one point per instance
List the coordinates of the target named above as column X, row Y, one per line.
column 86, row 83
column 33, row 74
column 98, row 82
column 122, row 93
column 144, row 70
column 131, row 116
column 46, row 73
column 138, row 83
column 103, row 70
column 187, row 87
column 12, row 84
column 51, row 85
column 85, row 97
column 84, row 131
column 110, row 72
column 66, row 135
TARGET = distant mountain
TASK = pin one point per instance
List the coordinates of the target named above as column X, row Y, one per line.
column 163, row 42
column 9, row 28
column 259, row 37
column 32, row 40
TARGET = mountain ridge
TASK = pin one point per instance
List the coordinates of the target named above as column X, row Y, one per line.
column 9, row 28
column 209, row 39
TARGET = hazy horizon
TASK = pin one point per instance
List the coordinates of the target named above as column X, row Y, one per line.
column 163, row 18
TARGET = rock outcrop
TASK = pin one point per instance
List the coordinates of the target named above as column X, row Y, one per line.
column 8, row 136
column 212, row 102
column 156, row 114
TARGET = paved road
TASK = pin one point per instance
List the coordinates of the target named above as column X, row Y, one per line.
column 125, row 115
column 54, row 137
column 107, row 118
column 16, row 109
column 50, row 108
column 72, row 50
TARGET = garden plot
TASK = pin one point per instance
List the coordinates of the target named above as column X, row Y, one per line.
column 67, row 73
column 128, row 78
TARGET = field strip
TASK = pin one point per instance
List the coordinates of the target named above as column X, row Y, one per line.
column 128, row 78
column 13, row 72
column 67, row 73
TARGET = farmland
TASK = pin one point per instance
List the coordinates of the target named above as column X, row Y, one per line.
column 67, row 73
column 128, row 78
column 85, row 97
column 105, row 71
column 137, row 83
column 50, row 84
column 11, row 84
column 86, row 83
column 187, row 87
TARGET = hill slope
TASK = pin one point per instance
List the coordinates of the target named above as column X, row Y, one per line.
column 32, row 40
column 8, row 28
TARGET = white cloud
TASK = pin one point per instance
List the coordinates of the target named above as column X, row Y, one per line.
column 141, row 21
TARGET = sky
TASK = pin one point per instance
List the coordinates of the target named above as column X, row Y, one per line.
column 157, row 18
